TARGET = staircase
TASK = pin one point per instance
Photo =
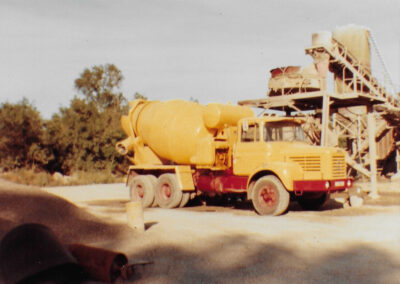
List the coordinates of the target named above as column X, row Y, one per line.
column 357, row 76
column 359, row 79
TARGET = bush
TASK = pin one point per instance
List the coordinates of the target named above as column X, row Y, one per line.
column 79, row 140
column 21, row 137
column 30, row 177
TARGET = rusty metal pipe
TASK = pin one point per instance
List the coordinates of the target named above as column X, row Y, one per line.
column 99, row 264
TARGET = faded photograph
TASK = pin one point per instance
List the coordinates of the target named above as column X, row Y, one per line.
column 199, row 141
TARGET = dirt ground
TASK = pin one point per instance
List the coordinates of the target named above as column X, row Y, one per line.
column 215, row 244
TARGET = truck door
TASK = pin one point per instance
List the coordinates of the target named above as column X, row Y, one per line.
column 249, row 150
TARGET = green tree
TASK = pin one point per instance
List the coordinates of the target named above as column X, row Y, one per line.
column 83, row 135
column 101, row 84
column 22, row 137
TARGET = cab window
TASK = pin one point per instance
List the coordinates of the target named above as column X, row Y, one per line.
column 283, row 131
column 250, row 132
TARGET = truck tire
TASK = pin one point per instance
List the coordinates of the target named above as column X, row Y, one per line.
column 168, row 193
column 153, row 180
column 269, row 196
column 313, row 202
column 142, row 189
column 185, row 199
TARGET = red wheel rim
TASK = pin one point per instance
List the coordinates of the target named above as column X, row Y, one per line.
column 166, row 190
column 268, row 196
column 140, row 191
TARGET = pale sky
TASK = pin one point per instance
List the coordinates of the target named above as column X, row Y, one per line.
column 214, row 51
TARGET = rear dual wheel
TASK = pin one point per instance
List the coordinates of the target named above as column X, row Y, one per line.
column 185, row 199
column 168, row 193
column 142, row 188
column 153, row 180
column 269, row 196
column 163, row 191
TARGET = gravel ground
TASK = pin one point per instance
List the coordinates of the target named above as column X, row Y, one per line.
column 215, row 244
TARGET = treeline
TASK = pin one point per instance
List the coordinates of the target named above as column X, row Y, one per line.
column 80, row 137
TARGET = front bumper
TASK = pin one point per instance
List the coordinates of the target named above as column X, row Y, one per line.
column 300, row 186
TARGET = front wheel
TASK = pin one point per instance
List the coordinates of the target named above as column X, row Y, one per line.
column 269, row 196
column 168, row 193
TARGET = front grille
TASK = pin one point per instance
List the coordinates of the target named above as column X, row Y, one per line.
column 338, row 167
column 308, row 163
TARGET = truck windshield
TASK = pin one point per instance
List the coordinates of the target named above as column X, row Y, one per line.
column 283, row 131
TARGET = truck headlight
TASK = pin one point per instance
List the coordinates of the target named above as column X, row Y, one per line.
column 349, row 183
column 327, row 184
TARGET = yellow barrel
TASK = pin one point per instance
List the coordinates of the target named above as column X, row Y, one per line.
column 134, row 212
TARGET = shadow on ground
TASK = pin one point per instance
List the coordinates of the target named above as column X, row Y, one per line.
column 22, row 204
column 242, row 259
column 246, row 207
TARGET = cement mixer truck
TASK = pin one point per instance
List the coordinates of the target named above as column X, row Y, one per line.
column 181, row 150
